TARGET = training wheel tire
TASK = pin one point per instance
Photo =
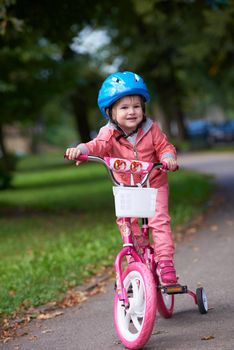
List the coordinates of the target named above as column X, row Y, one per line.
column 202, row 302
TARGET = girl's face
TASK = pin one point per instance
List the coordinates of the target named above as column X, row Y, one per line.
column 128, row 112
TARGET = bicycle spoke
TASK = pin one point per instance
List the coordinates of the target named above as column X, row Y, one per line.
column 136, row 322
column 127, row 319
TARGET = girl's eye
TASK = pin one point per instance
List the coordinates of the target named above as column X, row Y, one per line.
column 126, row 107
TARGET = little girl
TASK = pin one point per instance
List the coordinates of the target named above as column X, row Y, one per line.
column 130, row 134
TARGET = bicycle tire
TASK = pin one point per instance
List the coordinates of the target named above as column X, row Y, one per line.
column 165, row 304
column 134, row 326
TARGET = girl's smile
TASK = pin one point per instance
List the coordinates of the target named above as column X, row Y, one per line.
column 128, row 112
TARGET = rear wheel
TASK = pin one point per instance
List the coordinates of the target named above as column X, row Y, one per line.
column 134, row 325
column 165, row 303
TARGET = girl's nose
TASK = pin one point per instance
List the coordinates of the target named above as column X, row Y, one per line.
column 131, row 110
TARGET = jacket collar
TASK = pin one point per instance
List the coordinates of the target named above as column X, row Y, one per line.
column 145, row 127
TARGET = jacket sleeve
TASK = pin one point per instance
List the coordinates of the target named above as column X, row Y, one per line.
column 162, row 146
column 100, row 145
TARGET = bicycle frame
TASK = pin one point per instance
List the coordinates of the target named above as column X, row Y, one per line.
column 129, row 249
column 129, row 246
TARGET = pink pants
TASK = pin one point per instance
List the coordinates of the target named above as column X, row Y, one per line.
column 160, row 227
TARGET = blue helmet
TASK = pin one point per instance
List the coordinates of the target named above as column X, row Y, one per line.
column 118, row 85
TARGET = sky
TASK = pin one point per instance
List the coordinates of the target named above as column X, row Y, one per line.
column 90, row 41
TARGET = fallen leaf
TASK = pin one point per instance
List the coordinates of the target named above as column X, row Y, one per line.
column 208, row 337
column 196, row 248
column 33, row 337
column 159, row 332
column 117, row 342
column 191, row 230
column 47, row 331
column 5, row 340
column 72, row 298
column 22, row 334
column 100, row 288
column 214, row 228
column 178, row 236
column 48, row 315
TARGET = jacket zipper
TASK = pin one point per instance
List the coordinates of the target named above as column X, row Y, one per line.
column 135, row 152
column 134, row 147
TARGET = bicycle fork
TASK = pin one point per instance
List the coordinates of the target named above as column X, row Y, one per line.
column 121, row 290
column 128, row 250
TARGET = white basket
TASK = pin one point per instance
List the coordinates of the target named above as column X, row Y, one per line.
column 132, row 202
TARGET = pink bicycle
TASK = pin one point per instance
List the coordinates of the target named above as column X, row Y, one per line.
column 138, row 293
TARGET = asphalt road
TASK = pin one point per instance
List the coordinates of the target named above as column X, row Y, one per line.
column 205, row 258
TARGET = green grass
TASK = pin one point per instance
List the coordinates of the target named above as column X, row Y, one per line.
column 58, row 227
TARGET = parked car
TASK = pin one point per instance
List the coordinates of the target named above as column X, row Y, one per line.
column 198, row 129
column 223, row 132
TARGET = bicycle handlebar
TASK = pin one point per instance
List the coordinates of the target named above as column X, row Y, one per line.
column 119, row 165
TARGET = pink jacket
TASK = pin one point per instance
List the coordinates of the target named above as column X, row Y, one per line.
column 151, row 146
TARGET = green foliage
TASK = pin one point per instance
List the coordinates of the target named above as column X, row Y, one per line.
column 59, row 126
column 59, row 226
column 184, row 49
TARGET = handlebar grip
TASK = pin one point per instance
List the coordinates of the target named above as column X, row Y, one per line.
column 81, row 157
column 165, row 167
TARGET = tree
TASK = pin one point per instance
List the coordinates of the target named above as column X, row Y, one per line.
column 34, row 42
column 176, row 46
column 160, row 40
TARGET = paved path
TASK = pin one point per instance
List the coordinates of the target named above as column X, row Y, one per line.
column 205, row 258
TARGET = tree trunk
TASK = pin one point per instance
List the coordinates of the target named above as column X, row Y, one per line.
column 166, row 114
column 5, row 165
column 2, row 145
column 36, row 134
column 172, row 107
column 81, row 116
column 179, row 117
column 3, row 151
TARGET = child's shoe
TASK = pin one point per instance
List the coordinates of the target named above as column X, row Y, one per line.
column 166, row 272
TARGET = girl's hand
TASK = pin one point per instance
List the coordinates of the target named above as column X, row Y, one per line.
column 171, row 163
column 73, row 153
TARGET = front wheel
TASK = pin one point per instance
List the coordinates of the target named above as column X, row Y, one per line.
column 134, row 325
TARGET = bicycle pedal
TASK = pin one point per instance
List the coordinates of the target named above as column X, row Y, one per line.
column 174, row 289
